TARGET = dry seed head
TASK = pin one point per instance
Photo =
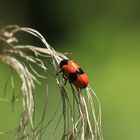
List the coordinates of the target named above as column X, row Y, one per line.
column 81, row 127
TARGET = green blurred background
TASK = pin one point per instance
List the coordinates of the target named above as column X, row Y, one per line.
column 105, row 39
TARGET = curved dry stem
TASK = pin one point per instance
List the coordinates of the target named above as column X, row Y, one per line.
column 78, row 113
column 27, row 87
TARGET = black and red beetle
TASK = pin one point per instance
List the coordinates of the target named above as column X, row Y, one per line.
column 74, row 73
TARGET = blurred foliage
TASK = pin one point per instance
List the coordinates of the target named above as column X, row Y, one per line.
column 104, row 37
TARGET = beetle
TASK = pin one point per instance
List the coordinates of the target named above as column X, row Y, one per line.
column 74, row 73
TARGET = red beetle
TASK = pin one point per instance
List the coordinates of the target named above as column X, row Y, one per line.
column 74, row 73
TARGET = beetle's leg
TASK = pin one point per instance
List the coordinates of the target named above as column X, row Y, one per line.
column 65, row 80
column 70, row 82
column 58, row 73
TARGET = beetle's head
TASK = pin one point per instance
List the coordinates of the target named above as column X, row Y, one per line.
column 63, row 62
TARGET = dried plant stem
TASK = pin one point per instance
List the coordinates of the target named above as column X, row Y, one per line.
column 83, row 124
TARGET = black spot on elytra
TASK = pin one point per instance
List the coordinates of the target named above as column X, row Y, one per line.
column 79, row 71
column 72, row 77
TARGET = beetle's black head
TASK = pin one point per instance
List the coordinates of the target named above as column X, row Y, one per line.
column 63, row 62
